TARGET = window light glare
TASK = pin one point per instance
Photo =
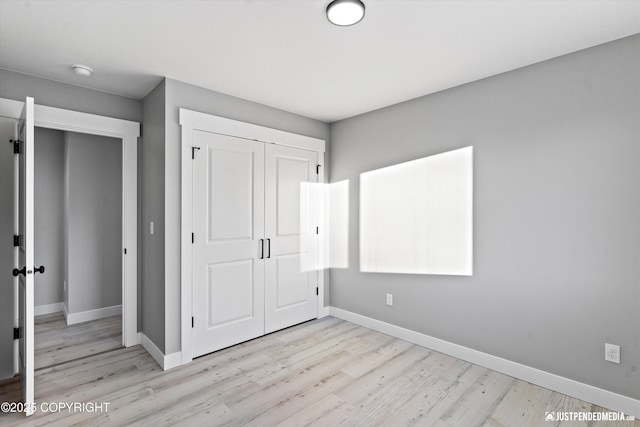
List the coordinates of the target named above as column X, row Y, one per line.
column 345, row 12
column 417, row 217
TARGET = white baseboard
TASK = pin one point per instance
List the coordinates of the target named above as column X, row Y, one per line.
column 85, row 316
column 588, row 393
column 39, row 310
column 324, row 312
column 166, row 362
column 172, row 360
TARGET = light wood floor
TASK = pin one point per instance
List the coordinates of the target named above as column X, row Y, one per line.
column 56, row 343
column 326, row 372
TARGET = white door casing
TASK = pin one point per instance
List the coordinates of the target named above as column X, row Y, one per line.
column 128, row 132
column 191, row 122
column 228, row 220
column 25, row 270
column 290, row 292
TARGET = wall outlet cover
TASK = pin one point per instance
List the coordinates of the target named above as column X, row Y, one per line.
column 389, row 299
column 612, row 353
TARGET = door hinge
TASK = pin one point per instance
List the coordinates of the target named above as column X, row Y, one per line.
column 318, row 166
column 193, row 237
column 16, row 146
column 193, row 152
column 125, row 251
column 193, row 321
column 317, row 291
column 317, row 230
column 16, row 333
column 16, row 241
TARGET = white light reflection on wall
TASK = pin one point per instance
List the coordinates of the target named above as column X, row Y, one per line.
column 328, row 206
column 417, row 217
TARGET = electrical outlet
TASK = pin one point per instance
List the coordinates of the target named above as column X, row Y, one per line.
column 612, row 353
column 389, row 299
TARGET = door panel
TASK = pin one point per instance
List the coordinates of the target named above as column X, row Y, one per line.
column 228, row 221
column 230, row 194
column 290, row 173
column 290, row 293
column 230, row 292
column 291, row 284
column 24, row 213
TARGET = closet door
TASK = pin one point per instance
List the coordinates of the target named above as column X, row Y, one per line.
column 228, row 221
column 290, row 292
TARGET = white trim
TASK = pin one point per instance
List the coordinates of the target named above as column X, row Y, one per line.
column 128, row 132
column 75, row 121
column 152, row 349
column 72, row 121
column 100, row 313
column 207, row 122
column 322, row 310
column 166, row 362
column 39, row 310
column 588, row 393
column 186, row 253
column 172, row 360
column 192, row 120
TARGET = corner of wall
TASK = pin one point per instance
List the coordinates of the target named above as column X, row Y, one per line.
column 152, row 250
column 165, row 361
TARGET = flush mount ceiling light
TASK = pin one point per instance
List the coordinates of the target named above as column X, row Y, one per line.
column 345, row 12
column 82, row 70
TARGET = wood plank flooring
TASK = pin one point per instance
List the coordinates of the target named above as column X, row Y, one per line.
column 326, row 372
column 56, row 343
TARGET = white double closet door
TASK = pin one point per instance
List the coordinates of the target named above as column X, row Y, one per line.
column 249, row 222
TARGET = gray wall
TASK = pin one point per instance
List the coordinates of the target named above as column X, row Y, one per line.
column 49, row 189
column 56, row 94
column 182, row 95
column 6, row 250
column 556, row 208
column 94, row 222
column 152, row 267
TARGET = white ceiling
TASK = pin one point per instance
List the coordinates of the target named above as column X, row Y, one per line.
column 285, row 54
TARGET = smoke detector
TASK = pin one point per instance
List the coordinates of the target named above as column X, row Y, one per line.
column 82, row 70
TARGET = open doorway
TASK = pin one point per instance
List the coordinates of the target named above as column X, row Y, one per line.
column 126, row 133
column 78, row 237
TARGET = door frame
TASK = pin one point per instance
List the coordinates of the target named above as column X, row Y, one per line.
column 128, row 132
column 193, row 120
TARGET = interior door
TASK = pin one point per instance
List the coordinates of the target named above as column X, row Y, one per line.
column 228, row 221
column 24, row 271
column 290, row 291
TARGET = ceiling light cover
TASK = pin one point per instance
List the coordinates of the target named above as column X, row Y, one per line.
column 345, row 12
column 82, row 70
